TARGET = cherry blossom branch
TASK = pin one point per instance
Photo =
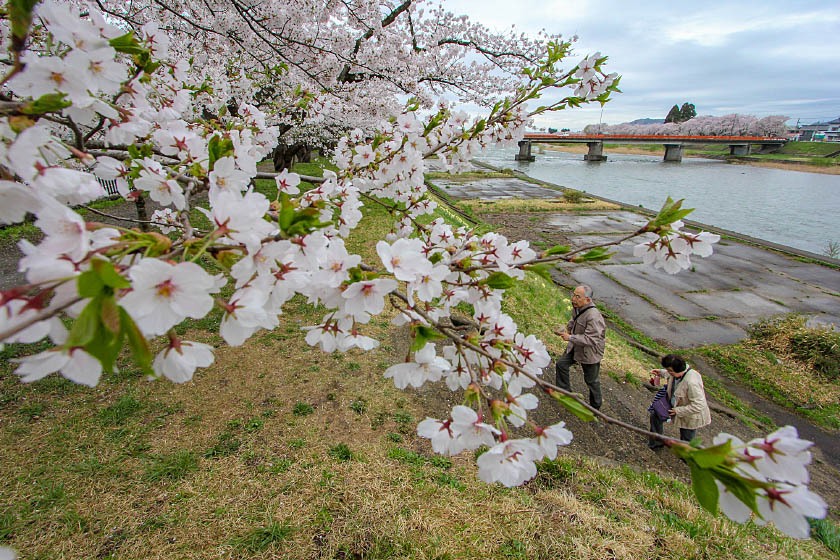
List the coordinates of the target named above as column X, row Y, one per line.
column 545, row 385
column 38, row 317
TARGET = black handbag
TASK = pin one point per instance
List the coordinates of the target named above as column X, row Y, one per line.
column 661, row 404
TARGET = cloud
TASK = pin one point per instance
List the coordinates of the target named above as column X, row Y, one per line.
column 755, row 57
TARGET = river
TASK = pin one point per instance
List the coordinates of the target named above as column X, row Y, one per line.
column 792, row 208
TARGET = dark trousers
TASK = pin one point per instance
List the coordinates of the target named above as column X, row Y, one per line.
column 658, row 426
column 591, row 373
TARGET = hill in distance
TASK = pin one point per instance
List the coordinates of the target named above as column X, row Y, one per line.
column 647, row 121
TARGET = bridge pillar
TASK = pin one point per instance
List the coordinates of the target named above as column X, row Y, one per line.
column 673, row 152
column 596, row 152
column 524, row 151
column 739, row 149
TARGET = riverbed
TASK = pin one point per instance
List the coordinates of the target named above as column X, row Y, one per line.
column 790, row 208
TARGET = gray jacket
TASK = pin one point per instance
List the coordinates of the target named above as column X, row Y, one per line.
column 587, row 329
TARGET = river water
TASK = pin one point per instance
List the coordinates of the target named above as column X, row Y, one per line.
column 792, row 208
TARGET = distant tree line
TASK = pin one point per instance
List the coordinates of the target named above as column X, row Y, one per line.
column 727, row 125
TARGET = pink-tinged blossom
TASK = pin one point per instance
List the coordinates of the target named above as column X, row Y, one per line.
column 509, row 462
column 335, row 264
column 444, row 441
column 162, row 190
column 784, row 457
column 404, row 259
column 166, row 220
column 788, row 507
column 32, row 150
column 288, row 182
column 548, row 439
column 355, row 339
column 178, row 362
column 15, row 312
column 113, row 169
column 429, row 284
column 66, row 231
column 16, row 201
column 518, row 406
column 48, row 74
column 325, row 335
column 731, row 506
column 367, row 297
column 226, row 177
column 425, row 367
column 472, row 432
column 67, row 186
column 164, row 294
column 73, row 363
column 458, row 377
column 241, row 217
column 247, row 313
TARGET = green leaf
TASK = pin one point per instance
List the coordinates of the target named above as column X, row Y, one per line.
column 89, row 284
column 109, row 276
column 703, row 484
column 137, row 342
column 218, row 148
column 47, row 103
column 86, row 324
column 110, row 315
column 542, row 270
column 671, row 212
column 499, row 281
column 574, row 406
column 558, row 250
column 128, row 44
column 20, row 14
column 105, row 347
column 738, row 487
column 712, row 456
column 422, row 335
column 596, row 254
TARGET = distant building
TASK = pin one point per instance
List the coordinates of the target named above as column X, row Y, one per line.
column 821, row 132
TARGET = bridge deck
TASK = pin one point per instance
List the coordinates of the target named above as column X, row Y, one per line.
column 651, row 139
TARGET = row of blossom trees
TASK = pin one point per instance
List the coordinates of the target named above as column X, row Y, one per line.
column 190, row 104
column 727, row 125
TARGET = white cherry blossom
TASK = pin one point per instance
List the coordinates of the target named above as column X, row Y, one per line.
column 178, row 361
column 164, row 294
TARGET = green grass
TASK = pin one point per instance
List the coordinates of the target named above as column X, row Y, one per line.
column 740, row 364
column 809, row 148
column 263, row 538
column 341, row 452
column 118, row 413
column 172, row 467
column 302, row 409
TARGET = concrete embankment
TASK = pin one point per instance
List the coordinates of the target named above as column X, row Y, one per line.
column 746, row 280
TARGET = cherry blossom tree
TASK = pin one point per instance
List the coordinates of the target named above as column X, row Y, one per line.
column 85, row 98
column 727, row 125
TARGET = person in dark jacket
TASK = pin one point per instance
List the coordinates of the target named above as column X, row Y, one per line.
column 585, row 335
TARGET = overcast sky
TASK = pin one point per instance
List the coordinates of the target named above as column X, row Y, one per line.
column 750, row 57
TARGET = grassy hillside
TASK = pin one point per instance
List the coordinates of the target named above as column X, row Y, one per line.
column 281, row 451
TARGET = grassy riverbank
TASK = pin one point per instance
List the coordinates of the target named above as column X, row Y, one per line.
column 282, row 451
column 812, row 157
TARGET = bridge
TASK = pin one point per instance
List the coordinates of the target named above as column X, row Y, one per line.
column 738, row 145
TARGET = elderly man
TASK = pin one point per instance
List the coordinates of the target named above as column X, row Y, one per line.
column 585, row 335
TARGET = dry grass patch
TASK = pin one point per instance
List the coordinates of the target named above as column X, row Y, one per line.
column 482, row 206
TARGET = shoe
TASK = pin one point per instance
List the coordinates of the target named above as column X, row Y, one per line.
column 656, row 447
